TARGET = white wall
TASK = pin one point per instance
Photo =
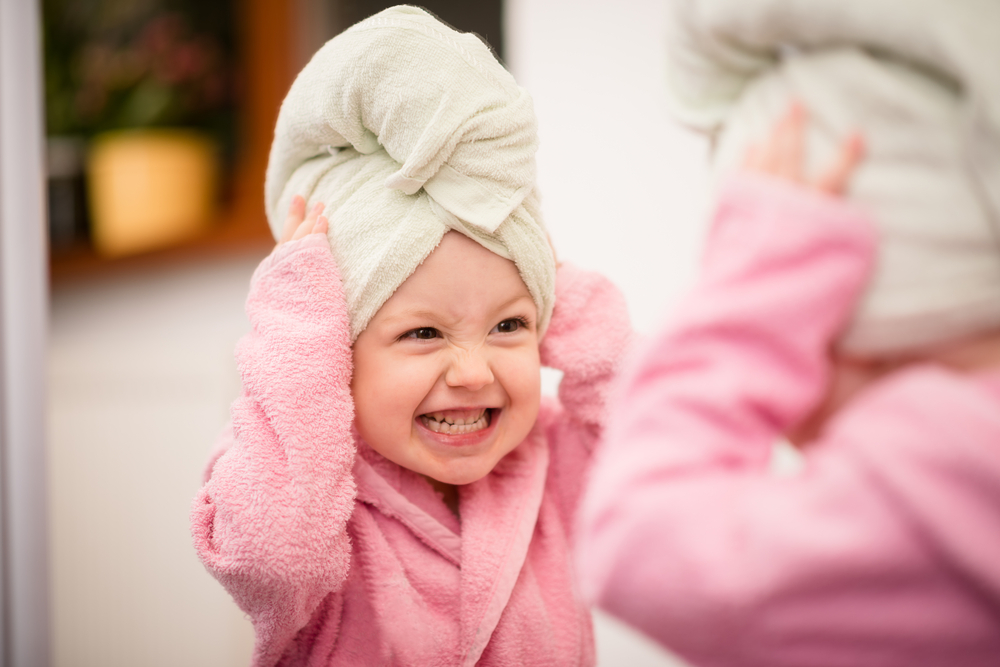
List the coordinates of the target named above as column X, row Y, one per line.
column 623, row 187
column 141, row 376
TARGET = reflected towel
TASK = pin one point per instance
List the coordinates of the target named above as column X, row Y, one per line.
column 919, row 79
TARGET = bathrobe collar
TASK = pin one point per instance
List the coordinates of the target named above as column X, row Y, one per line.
column 498, row 516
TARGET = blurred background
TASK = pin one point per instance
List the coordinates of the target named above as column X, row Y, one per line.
column 159, row 116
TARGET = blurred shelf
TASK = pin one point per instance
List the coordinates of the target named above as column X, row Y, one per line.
column 228, row 237
column 267, row 62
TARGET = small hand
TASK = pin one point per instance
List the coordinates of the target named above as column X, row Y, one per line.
column 298, row 224
column 781, row 155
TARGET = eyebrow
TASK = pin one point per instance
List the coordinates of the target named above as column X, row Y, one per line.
column 424, row 313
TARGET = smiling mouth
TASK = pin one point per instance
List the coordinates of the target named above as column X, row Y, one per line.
column 457, row 422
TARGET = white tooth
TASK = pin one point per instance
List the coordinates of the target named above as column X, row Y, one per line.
column 436, row 422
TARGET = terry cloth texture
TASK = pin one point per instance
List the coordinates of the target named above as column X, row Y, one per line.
column 341, row 557
column 406, row 129
column 881, row 552
column 919, row 79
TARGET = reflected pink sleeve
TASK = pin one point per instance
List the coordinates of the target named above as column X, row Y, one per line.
column 684, row 533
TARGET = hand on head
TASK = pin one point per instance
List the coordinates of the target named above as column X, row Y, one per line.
column 781, row 155
column 298, row 224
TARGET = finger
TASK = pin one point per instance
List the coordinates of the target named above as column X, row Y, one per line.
column 834, row 180
column 788, row 143
column 322, row 225
column 296, row 212
column 752, row 160
column 769, row 156
column 307, row 225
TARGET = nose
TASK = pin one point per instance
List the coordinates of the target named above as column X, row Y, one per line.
column 468, row 369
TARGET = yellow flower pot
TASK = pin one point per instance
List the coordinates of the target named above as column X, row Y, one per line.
column 150, row 189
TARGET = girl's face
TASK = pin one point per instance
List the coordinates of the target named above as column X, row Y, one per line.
column 446, row 375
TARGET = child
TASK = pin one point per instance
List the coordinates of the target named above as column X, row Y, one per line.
column 416, row 511
column 875, row 350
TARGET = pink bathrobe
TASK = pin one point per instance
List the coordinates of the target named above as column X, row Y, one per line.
column 884, row 551
column 341, row 557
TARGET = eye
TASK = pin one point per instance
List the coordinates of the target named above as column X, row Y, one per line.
column 423, row 333
column 510, row 326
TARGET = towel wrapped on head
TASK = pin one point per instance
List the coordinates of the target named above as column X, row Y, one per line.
column 406, row 129
column 920, row 79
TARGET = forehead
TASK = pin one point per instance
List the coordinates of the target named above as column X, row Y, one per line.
column 459, row 279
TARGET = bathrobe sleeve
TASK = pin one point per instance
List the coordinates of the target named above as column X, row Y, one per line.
column 270, row 522
column 683, row 532
column 589, row 335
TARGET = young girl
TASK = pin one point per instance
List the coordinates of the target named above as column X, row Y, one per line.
column 417, row 510
column 879, row 351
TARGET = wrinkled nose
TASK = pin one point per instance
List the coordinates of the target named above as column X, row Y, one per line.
column 469, row 370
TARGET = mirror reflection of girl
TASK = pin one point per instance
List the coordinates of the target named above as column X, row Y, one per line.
column 393, row 488
column 885, row 549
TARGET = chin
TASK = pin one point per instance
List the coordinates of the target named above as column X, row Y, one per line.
column 459, row 473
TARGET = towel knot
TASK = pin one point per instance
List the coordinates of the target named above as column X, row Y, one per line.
column 406, row 129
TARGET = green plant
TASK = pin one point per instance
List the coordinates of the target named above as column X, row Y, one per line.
column 112, row 64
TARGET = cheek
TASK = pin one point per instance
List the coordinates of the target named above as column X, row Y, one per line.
column 386, row 392
column 521, row 379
